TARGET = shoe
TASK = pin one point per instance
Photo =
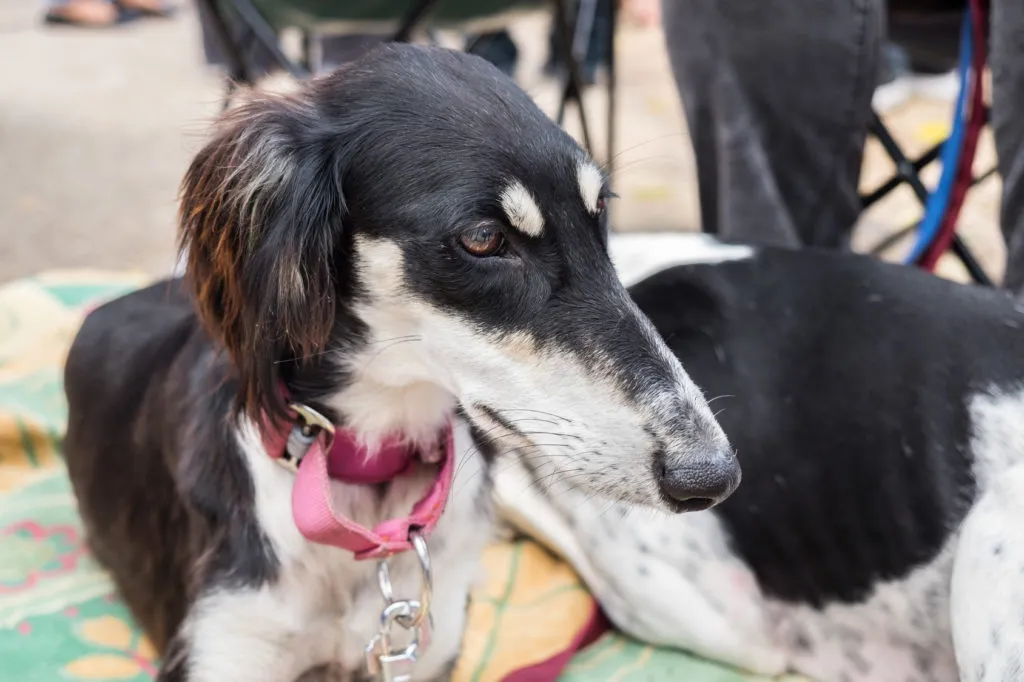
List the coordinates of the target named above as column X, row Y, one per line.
column 943, row 87
column 901, row 80
column 147, row 8
column 894, row 85
column 85, row 13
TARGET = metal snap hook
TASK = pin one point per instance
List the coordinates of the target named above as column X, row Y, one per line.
column 383, row 662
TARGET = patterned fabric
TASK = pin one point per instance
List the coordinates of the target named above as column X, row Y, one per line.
column 60, row 622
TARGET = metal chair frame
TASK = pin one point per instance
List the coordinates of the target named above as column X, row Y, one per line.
column 573, row 29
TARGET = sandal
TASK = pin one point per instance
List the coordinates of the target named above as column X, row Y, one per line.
column 147, row 8
column 87, row 14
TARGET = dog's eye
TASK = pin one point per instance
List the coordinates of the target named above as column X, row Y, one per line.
column 602, row 201
column 483, row 241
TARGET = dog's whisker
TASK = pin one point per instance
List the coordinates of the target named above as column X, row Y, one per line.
column 388, row 347
column 660, row 138
column 523, row 409
column 540, row 433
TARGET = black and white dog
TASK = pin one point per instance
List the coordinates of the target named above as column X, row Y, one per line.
column 878, row 414
column 407, row 257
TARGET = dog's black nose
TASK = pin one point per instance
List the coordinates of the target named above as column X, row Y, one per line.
column 701, row 482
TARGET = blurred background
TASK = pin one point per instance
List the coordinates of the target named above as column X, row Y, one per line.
column 98, row 123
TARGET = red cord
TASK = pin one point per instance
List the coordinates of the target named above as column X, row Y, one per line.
column 965, row 168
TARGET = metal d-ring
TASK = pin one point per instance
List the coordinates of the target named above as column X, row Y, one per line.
column 422, row 612
column 419, row 544
column 308, row 427
column 312, row 418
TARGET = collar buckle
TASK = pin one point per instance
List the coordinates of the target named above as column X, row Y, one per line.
column 308, row 426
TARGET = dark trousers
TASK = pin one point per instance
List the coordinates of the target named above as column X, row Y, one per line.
column 777, row 95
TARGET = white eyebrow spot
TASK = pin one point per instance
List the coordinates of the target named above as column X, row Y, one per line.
column 591, row 181
column 522, row 211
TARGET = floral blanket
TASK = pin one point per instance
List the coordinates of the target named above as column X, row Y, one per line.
column 531, row 620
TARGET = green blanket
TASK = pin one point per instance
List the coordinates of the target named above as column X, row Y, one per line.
column 59, row 620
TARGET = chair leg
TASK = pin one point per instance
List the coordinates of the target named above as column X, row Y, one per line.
column 971, row 264
column 230, row 85
column 267, row 36
column 574, row 86
column 238, row 71
column 419, row 10
column 609, row 149
column 896, row 180
column 907, row 171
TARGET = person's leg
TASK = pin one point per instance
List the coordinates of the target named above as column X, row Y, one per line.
column 777, row 96
column 1006, row 48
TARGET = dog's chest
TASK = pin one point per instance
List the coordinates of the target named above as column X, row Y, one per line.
column 339, row 604
column 333, row 603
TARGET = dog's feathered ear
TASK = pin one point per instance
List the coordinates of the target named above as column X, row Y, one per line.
column 261, row 216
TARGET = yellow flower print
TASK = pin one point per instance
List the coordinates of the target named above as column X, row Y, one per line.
column 131, row 653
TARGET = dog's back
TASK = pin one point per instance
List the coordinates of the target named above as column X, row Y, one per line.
column 846, row 386
column 112, row 381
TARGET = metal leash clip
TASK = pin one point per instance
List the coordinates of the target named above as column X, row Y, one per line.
column 384, row 661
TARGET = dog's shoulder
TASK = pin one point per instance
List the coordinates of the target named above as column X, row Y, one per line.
column 126, row 344
column 134, row 320
column 845, row 387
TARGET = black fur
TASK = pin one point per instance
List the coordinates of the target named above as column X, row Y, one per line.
column 152, row 458
column 842, row 382
column 410, row 148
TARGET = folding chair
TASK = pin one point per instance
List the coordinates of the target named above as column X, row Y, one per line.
column 262, row 20
column 936, row 232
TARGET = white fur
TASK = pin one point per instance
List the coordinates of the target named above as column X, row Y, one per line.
column 577, row 418
column 180, row 264
column 673, row 581
column 325, row 607
column 590, row 183
column 694, row 594
column 988, row 575
column 522, row 209
column 898, row 618
column 638, row 255
column 659, row 606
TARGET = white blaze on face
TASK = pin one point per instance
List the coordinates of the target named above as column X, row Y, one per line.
column 570, row 416
column 522, row 210
column 590, row 184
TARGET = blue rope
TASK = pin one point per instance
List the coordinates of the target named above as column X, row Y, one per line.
column 938, row 201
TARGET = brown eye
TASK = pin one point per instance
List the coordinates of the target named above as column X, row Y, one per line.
column 483, row 241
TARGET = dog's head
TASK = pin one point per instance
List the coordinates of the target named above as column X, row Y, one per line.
column 410, row 236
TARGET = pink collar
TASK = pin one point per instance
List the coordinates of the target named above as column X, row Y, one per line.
column 335, row 454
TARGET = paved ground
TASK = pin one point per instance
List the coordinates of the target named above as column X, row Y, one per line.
column 97, row 127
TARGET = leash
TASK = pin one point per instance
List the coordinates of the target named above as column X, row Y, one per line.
column 318, row 453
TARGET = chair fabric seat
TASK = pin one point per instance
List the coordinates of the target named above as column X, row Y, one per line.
column 374, row 16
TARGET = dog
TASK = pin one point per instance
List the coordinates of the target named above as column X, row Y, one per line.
column 394, row 276
column 878, row 414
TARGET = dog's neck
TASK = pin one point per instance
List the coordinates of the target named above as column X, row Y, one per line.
column 374, row 410
column 391, row 387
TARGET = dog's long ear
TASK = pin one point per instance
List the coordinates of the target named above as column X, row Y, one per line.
column 261, row 217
